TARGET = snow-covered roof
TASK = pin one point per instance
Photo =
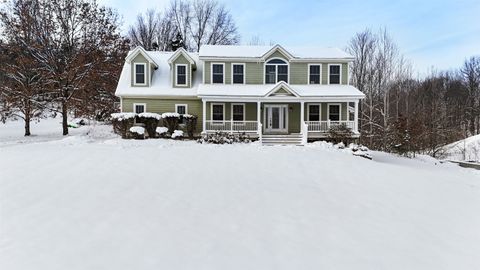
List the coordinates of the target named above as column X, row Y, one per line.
column 246, row 51
column 262, row 90
column 161, row 84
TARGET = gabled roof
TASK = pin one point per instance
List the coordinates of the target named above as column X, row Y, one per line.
column 282, row 86
column 279, row 49
column 137, row 51
column 183, row 52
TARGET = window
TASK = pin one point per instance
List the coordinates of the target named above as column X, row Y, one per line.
column 238, row 112
column 238, row 73
column 314, row 74
column 218, row 112
column 140, row 74
column 276, row 70
column 181, row 109
column 313, row 112
column 217, row 73
column 334, row 112
column 334, row 74
column 181, row 75
column 139, row 107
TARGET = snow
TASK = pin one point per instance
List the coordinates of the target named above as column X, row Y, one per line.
column 464, row 150
column 94, row 201
column 170, row 114
column 246, row 51
column 161, row 130
column 177, row 134
column 150, row 115
column 138, row 130
column 123, row 116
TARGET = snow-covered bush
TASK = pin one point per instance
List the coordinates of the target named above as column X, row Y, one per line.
column 122, row 122
column 177, row 134
column 340, row 133
column 340, row 145
column 170, row 120
column 224, row 138
column 190, row 124
column 138, row 132
column 151, row 122
column 161, row 131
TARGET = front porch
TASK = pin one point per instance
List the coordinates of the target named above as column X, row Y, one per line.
column 311, row 120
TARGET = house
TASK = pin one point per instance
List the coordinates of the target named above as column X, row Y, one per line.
column 275, row 93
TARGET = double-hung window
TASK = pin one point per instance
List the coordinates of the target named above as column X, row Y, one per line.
column 314, row 112
column 238, row 112
column 218, row 73
column 276, row 70
column 334, row 112
column 238, row 73
column 314, row 74
column 334, row 74
column 139, row 107
column 181, row 109
column 218, row 112
column 181, row 75
column 140, row 74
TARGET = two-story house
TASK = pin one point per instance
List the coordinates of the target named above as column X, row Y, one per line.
column 270, row 92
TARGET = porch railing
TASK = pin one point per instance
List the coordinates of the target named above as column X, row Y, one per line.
column 232, row 126
column 324, row 126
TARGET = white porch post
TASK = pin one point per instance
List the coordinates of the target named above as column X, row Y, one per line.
column 204, row 118
column 259, row 126
column 302, row 112
column 356, row 116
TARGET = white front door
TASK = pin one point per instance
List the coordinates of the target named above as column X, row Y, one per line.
column 276, row 118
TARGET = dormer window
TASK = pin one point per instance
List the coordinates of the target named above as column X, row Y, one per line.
column 140, row 74
column 181, row 79
column 276, row 70
column 218, row 73
column 334, row 72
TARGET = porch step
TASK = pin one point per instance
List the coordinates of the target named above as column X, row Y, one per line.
column 290, row 139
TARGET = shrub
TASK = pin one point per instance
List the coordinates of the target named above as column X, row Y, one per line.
column 177, row 134
column 151, row 122
column 138, row 133
column 340, row 133
column 161, row 131
column 122, row 122
column 224, row 138
column 170, row 120
column 191, row 124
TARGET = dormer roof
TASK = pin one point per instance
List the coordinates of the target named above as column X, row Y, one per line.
column 140, row 50
column 181, row 51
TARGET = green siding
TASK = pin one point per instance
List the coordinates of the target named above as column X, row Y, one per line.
column 254, row 73
column 166, row 105
column 298, row 73
column 324, row 110
column 182, row 60
column 250, row 110
column 140, row 59
column 277, row 54
column 344, row 73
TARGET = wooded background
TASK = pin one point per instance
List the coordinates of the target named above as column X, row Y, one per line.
column 65, row 56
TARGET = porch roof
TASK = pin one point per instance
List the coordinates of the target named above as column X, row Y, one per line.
column 263, row 90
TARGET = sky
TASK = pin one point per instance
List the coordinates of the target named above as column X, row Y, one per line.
column 433, row 35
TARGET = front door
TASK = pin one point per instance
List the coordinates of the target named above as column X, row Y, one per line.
column 276, row 118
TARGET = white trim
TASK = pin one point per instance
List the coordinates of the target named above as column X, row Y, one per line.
column 308, row 77
column 231, row 110
column 211, row 111
column 135, row 52
column 211, row 72
column 244, row 72
column 140, row 104
column 339, row 111
column 121, row 104
column 276, row 69
column 280, row 85
column 285, row 117
column 145, row 71
column 203, row 71
column 176, row 74
column 184, row 105
column 319, row 110
column 183, row 52
column 275, row 48
column 328, row 73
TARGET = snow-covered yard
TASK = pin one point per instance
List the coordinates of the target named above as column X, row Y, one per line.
column 94, row 201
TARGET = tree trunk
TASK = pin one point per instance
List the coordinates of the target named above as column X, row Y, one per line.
column 64, row 118
column 27, row 125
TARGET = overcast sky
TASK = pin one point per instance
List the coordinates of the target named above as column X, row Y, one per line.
column 431, row 33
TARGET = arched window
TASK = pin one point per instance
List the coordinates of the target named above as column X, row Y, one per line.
column 276, row 70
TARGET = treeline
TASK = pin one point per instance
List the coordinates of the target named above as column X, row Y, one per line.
column 65, row 56
column 411, row 115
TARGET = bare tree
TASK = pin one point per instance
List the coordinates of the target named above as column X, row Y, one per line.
column 144, row 32
column 471, row 78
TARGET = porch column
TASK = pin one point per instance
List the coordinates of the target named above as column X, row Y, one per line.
column 204, row 117
column 302, row 112
column 259, row 112
column 356, row 116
